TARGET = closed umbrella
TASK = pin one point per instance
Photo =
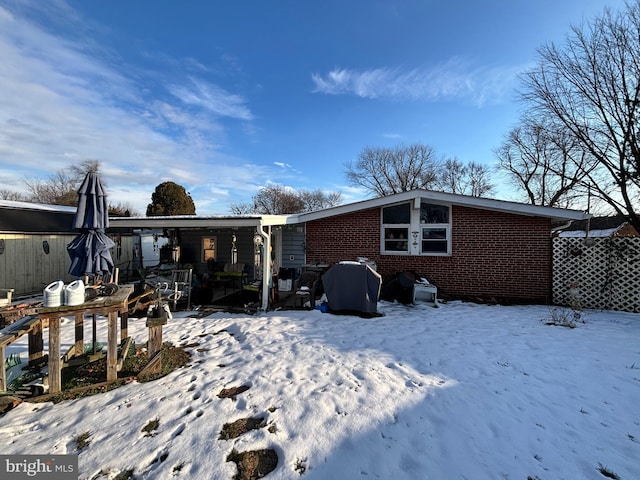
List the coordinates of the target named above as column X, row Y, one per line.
column 90, row 250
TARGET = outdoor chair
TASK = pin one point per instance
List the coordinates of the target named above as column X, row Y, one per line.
column 306, row 287
column 178, row 289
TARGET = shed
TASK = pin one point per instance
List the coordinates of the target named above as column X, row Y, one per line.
column 33, row 245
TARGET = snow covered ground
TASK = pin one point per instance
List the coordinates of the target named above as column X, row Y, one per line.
column 463, row 391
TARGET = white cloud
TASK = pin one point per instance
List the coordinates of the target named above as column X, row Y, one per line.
column 213, row 98
column 455, row 79
column 392, row 136
column 66, row 97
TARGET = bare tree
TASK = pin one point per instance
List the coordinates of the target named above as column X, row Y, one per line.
column 317, row 199
column 546, row 162
column 121, row 209
column 277, row 200
column 591, row 88
column 470, row 179
column 61, row 188
column 479, row 183
column 280, row 200
column 6, row 194
column 242, row 208
column 385, row 171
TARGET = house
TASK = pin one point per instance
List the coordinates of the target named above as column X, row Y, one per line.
column 33, row 245
column 469, row 247
column 599, row 227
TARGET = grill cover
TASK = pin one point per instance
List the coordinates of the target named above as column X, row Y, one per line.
column 352, row 286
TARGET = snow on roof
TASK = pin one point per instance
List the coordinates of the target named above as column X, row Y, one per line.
column 602, row 233
column 36, row 206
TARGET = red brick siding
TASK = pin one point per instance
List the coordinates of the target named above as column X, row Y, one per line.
column 495, row 255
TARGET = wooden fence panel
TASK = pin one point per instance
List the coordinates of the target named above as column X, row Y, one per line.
column 27, row 268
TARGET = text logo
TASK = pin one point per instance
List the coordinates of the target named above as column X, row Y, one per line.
column 50, row 467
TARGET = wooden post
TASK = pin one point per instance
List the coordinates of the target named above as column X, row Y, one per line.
column 36, row 344
column 124, row 324
column 3, row 371
column 155, row 324
column 79, row 345
column 112, row 347
column 55, row 374
column 155, row 340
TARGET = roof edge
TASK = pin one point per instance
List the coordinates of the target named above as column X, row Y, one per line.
column 452, row 198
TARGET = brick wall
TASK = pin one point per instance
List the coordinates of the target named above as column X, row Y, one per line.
column 495, row 256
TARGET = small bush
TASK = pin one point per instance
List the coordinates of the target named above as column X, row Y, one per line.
column 124, row 475
column 253, row 465
column 237, row 428
column 150, row 427
column 82, row 440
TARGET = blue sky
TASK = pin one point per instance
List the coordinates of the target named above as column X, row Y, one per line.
column 226, row 97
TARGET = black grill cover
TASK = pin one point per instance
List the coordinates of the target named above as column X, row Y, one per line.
column 352, row 286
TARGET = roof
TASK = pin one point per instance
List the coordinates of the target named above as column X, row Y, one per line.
column 221, row 221
column 596, row 227
column 10, row 204
column 23, row 217
column 453, row 199
column 195, row 221
column 598, row 223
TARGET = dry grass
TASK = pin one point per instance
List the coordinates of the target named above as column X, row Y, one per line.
column 254, row 464
column 243, row 425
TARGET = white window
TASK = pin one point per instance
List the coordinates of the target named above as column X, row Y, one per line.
column 416, row 231
column 434, row 229
column 396, row 221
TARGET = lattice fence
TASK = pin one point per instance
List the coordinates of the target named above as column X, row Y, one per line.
column 601, row 273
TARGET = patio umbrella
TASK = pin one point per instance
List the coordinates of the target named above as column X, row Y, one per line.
column 90, row 250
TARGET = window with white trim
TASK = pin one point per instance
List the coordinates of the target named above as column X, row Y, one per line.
column 434, row 229
column 396, row 221
column 416, row 231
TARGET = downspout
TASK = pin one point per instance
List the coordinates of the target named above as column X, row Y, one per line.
column 266, row 267
column 559, row 228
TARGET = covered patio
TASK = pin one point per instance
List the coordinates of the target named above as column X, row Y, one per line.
column 230, row 257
